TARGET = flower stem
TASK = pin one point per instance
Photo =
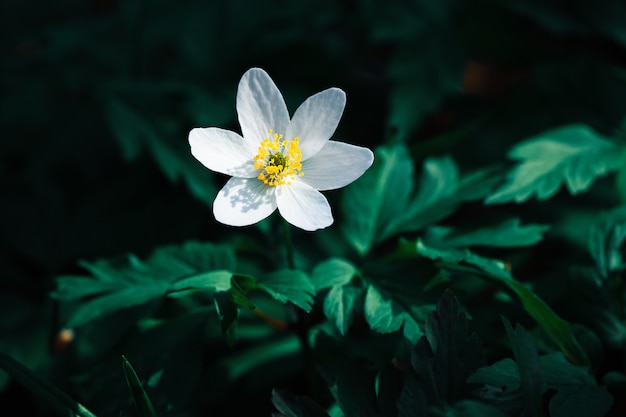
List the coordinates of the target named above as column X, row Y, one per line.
column 301, row 325
column 291, row 263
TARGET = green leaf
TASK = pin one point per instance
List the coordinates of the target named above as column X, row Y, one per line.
column 290, row 405
column 528, row 366
column 332, row 272
column 384, row 201
column 339, row 306
column 503, row 374
column 46, row 391
column 228, row 313
column 574, row 154
column 606, row 241
column 289, row 285
column 559, row 373
column 441, row 361
column 385, row 316
column 206, row 281
column 509, row 233
column 555, row 327
column 140, row 398
column 377, row 197
column 119, row 284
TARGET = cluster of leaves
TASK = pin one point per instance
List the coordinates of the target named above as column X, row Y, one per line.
column 475, row 270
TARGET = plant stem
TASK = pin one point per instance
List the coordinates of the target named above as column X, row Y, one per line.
column 291, row 263
column 301, row 325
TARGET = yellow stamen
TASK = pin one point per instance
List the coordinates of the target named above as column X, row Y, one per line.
column 278, row 159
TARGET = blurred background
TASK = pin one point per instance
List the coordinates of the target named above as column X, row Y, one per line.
column 98, row 97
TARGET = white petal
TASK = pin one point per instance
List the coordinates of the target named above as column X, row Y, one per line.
column 336, row 165
column 303, row 206
column 244, row 201
column 223, row 151
column 260, row 106
column 316, row 120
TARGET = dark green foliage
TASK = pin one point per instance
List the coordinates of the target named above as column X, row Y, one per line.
column 476, row 269
column 441, row 361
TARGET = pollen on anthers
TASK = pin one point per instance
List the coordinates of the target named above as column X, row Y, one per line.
column 278, row 159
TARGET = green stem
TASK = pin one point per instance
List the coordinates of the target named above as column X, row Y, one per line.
column 301, row 324
column 291, row 263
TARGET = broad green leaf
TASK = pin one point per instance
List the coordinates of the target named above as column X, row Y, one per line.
column 555, row 327
column 528, row 366
column 339, row 305
column 381, row 194
column 290, row 286
column 59, row 401
column 434, row 199
column 509, row 233
column 574, row 155
column 332, row 272
column 290, row 405
column 143, row 405
column 384, row 202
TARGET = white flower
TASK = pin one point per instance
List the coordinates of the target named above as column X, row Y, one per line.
column 279, row 162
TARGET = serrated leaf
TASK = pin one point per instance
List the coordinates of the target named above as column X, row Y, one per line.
column 332, row 272
column 509, row 233
column 119, row 284
column 339, row 306
column 290, row 405
column 574, row 155
column 46, row 391
column 383, row 315
column 555, row 327
column 289, row 285
column 143, row 405
column 528, row 366
column 442, row 360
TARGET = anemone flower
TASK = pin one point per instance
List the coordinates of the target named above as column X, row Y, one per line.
column 278, row 161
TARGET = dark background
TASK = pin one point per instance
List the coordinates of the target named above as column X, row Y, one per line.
column 97, row 99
